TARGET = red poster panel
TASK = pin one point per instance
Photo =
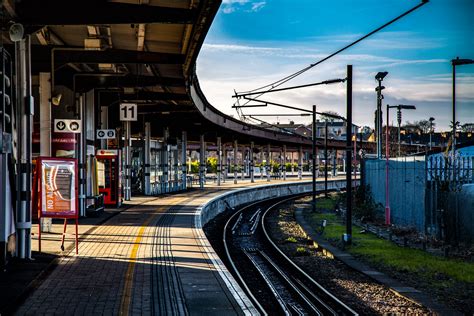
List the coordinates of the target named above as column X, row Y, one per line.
column 57, row 181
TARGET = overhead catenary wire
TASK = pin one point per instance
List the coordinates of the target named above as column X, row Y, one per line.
column 278, row 83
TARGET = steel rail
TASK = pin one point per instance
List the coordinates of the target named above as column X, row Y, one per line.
column 314, row 282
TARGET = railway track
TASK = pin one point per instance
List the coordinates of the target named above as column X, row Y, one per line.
column 271, row 279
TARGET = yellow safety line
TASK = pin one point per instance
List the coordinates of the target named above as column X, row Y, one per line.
column 127, row 288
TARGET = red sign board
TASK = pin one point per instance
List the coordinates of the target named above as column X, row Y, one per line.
column 55, row 191
column 57, row 181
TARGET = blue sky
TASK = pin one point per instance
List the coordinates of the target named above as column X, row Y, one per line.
column 253, row 43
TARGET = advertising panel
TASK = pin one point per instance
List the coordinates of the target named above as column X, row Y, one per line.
column 58, row 187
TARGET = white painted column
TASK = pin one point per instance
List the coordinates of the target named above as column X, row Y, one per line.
column 146, row 159
column 127, row 190
column 300, row 163
column 202, row 163
column 45, row 129
column 268, row 162
column 219, row 160
column 252, row 180
column 184, row 144
column 235, row 161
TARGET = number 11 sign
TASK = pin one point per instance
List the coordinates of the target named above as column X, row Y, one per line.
column 128, row 111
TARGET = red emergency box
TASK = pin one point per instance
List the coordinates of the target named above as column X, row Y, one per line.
column 109, row 176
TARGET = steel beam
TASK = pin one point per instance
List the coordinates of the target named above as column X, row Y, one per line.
column 58, row 12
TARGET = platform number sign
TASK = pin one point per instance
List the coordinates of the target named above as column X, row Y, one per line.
column 128, row 111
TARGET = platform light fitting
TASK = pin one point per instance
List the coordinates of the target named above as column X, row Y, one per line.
column 56, row 100
column 16, row 32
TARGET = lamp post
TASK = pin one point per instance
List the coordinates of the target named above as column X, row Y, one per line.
column 431, row 119
column 378, row 113
column 387, row 153
column 454, row 63
column 399, row 119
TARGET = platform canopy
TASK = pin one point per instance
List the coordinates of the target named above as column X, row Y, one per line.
column 141, row 51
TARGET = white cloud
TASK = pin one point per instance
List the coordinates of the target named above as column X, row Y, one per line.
column 230, row 6
column 223, row 67
column 257, row 6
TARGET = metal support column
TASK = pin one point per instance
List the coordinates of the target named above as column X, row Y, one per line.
column 348, row 156
column 242, row 163
column 268, row 162
column 314, row 157
column 252, row 180
column 176, row 166
column 184, row 144
column 127, row 190
column 225, row 163
column 219, row 160
column 300, row 162
column 166, row 161
column 45, row 129
column 146, row 160
column 284, row 162
column 82, row 152
column 235, row 161
column 24, row 128
column 202, row 162
column 326, row 158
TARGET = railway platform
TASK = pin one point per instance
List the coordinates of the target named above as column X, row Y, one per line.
column 146, row 258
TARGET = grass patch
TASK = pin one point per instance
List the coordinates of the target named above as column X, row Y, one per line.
column 383, row 252
column 301, row 251
column 328, row 203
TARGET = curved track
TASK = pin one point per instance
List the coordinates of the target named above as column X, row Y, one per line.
column 272, row 280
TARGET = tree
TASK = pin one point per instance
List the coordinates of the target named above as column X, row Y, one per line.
column 331, row 115
column 424, row 126
column 467, row 127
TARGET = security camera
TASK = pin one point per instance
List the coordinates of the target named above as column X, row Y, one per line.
column 16, row 32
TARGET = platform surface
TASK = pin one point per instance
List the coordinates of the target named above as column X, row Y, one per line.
column 146, row 259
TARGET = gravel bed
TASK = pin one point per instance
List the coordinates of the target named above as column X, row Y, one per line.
column 355, row 289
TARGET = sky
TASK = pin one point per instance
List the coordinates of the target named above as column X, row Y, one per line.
column 253, row 43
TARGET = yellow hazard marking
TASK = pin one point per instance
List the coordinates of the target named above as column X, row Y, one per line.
column 127, row 289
